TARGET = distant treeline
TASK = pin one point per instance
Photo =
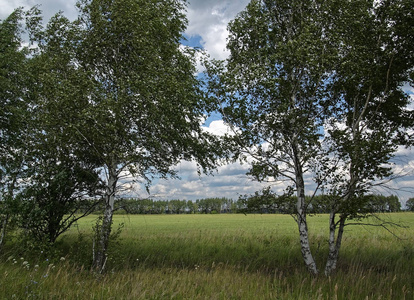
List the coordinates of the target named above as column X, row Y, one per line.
column 258, row 203
column 267, row 202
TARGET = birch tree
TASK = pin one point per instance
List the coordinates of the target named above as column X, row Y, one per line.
column 269, row 89
column 369, row 115
column 145, row 104
column 312, row 90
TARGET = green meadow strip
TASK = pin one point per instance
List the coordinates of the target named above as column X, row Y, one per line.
column 214, row 257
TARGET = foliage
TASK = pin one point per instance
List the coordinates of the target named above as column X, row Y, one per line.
column 410, row 204
column 151, row 206
column 53, row 175
column 143, row 118
column 368, row 110
column 263, row 202
column 268, row 202
column 12, row 115
column 12, row 73
column 380, row 203
column 213, row 205
column 54, row 198
column 177, row 206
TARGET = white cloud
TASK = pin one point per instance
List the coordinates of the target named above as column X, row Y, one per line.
column 209, row 19
column 228, row 181
column 48, row 7
column 218, row 127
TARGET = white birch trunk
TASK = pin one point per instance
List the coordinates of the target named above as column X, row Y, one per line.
column 105, row 230
column 304, row 237
column 301, row 217
column 334, row 244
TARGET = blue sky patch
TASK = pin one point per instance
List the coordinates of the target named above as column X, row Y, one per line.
column 194, row 41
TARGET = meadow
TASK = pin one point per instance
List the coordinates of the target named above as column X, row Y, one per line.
column 227, row 256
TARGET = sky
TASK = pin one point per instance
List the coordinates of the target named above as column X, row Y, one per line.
column 207, row 28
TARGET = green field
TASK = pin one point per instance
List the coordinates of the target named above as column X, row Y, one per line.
column 215, row 257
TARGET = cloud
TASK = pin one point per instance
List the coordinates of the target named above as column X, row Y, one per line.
column 218, row 127
column 48, row 7
column 228, row 181
column 209, row 20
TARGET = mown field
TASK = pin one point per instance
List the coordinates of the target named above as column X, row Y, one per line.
column 214, row 257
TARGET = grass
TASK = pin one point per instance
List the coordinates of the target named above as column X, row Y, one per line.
column 215, row 257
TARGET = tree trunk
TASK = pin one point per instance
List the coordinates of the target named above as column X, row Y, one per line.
column 3, row 229
column 304, row 237
column 104, row 232
column 334, row 245
column 301, row 218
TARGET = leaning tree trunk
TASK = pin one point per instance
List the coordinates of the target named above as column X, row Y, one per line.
column 334, row 244
column 304, row 236
column 104, row 231
column 301, row 219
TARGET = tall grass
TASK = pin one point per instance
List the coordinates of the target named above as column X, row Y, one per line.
column 215, row 257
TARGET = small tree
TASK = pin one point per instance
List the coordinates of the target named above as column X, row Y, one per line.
column 55, row 176
column 266, row 201
column 53, row 200
column 410, row 204
column 177, row 206
column 394, row 204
